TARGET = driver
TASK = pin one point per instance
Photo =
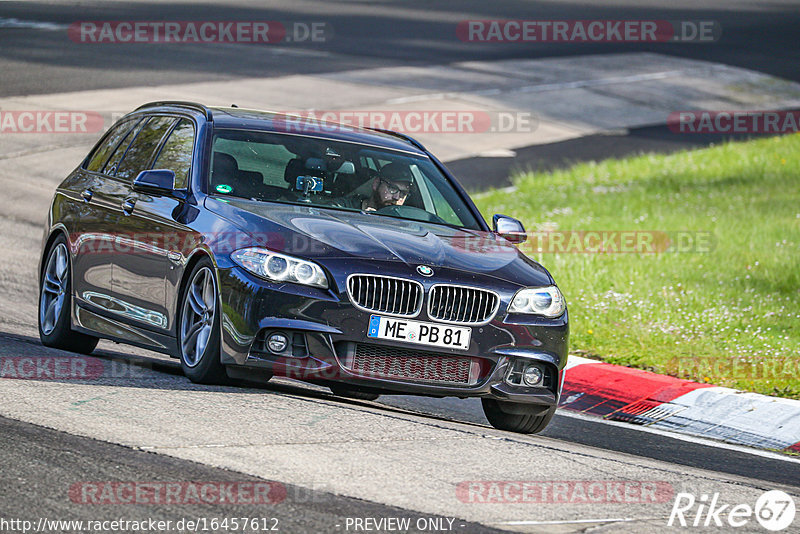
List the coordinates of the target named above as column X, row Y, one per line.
column 390, row 188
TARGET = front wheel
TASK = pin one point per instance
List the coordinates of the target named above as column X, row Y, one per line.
column 55, row 303
column 518, row 418
column 198, row 327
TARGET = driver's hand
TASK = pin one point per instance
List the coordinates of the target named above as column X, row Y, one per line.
column 369, row 208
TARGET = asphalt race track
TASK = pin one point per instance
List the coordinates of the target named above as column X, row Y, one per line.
column 331, row 460
column 757, row 35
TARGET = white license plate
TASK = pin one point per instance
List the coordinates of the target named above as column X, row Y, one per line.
column 421, row 333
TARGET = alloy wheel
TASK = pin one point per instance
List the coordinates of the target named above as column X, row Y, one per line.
column 197, row 319
column 54, row 289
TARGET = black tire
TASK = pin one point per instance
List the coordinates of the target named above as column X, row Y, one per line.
column 524, row 420
column 353, row 393
column 206, row 367
column 55, row 303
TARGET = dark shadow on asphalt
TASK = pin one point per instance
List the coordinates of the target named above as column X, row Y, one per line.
column 167, row 375
column 761, row 37
column 46, row 470
column 478, row 174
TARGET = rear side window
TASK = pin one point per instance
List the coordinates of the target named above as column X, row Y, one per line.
column 116, row 157
column 139, row 154
column 100, row 156
column 177, row 153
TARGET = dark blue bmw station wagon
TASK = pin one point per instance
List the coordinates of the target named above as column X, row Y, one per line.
column 251, row 244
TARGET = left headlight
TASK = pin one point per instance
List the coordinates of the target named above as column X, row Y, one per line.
column 547, row 301
column 280, row 267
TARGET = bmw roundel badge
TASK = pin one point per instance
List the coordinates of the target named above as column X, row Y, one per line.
column 424, row 270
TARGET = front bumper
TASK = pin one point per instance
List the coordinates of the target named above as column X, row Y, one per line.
column 331, row 327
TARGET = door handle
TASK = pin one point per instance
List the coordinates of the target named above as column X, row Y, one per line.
column 127, row 205
column 87, row 195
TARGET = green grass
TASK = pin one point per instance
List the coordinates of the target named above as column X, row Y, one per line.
column 729, row 316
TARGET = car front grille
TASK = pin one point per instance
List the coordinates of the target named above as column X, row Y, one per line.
column 462, row 305
column 385, row 294
column 378, row 361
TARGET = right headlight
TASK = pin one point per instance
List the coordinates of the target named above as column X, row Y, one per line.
column 280, row 267
column 547, row 301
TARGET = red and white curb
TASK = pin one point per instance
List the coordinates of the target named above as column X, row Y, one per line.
column 667, row 403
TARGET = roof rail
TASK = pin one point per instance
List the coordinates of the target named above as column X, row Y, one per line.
column 404, row 137
column 177, row 103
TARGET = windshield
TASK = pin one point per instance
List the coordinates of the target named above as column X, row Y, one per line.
column 332, row 174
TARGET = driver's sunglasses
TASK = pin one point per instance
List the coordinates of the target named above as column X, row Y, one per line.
column 393, row 189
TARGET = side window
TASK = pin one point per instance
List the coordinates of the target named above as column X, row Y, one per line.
column 139, row 154
column 99, row 157
column 177, row 153
column 116, row 157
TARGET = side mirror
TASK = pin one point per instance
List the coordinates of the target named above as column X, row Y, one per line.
column 509, row 228
column 158, row 181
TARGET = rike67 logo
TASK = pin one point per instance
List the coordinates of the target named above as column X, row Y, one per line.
column 774, row 510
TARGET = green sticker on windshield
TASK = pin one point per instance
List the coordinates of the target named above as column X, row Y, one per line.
column 224, row 188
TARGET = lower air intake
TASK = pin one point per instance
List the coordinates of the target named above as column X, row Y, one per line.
column 377, row 361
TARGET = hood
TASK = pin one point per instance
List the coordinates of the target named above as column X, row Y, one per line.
column 319, row 233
